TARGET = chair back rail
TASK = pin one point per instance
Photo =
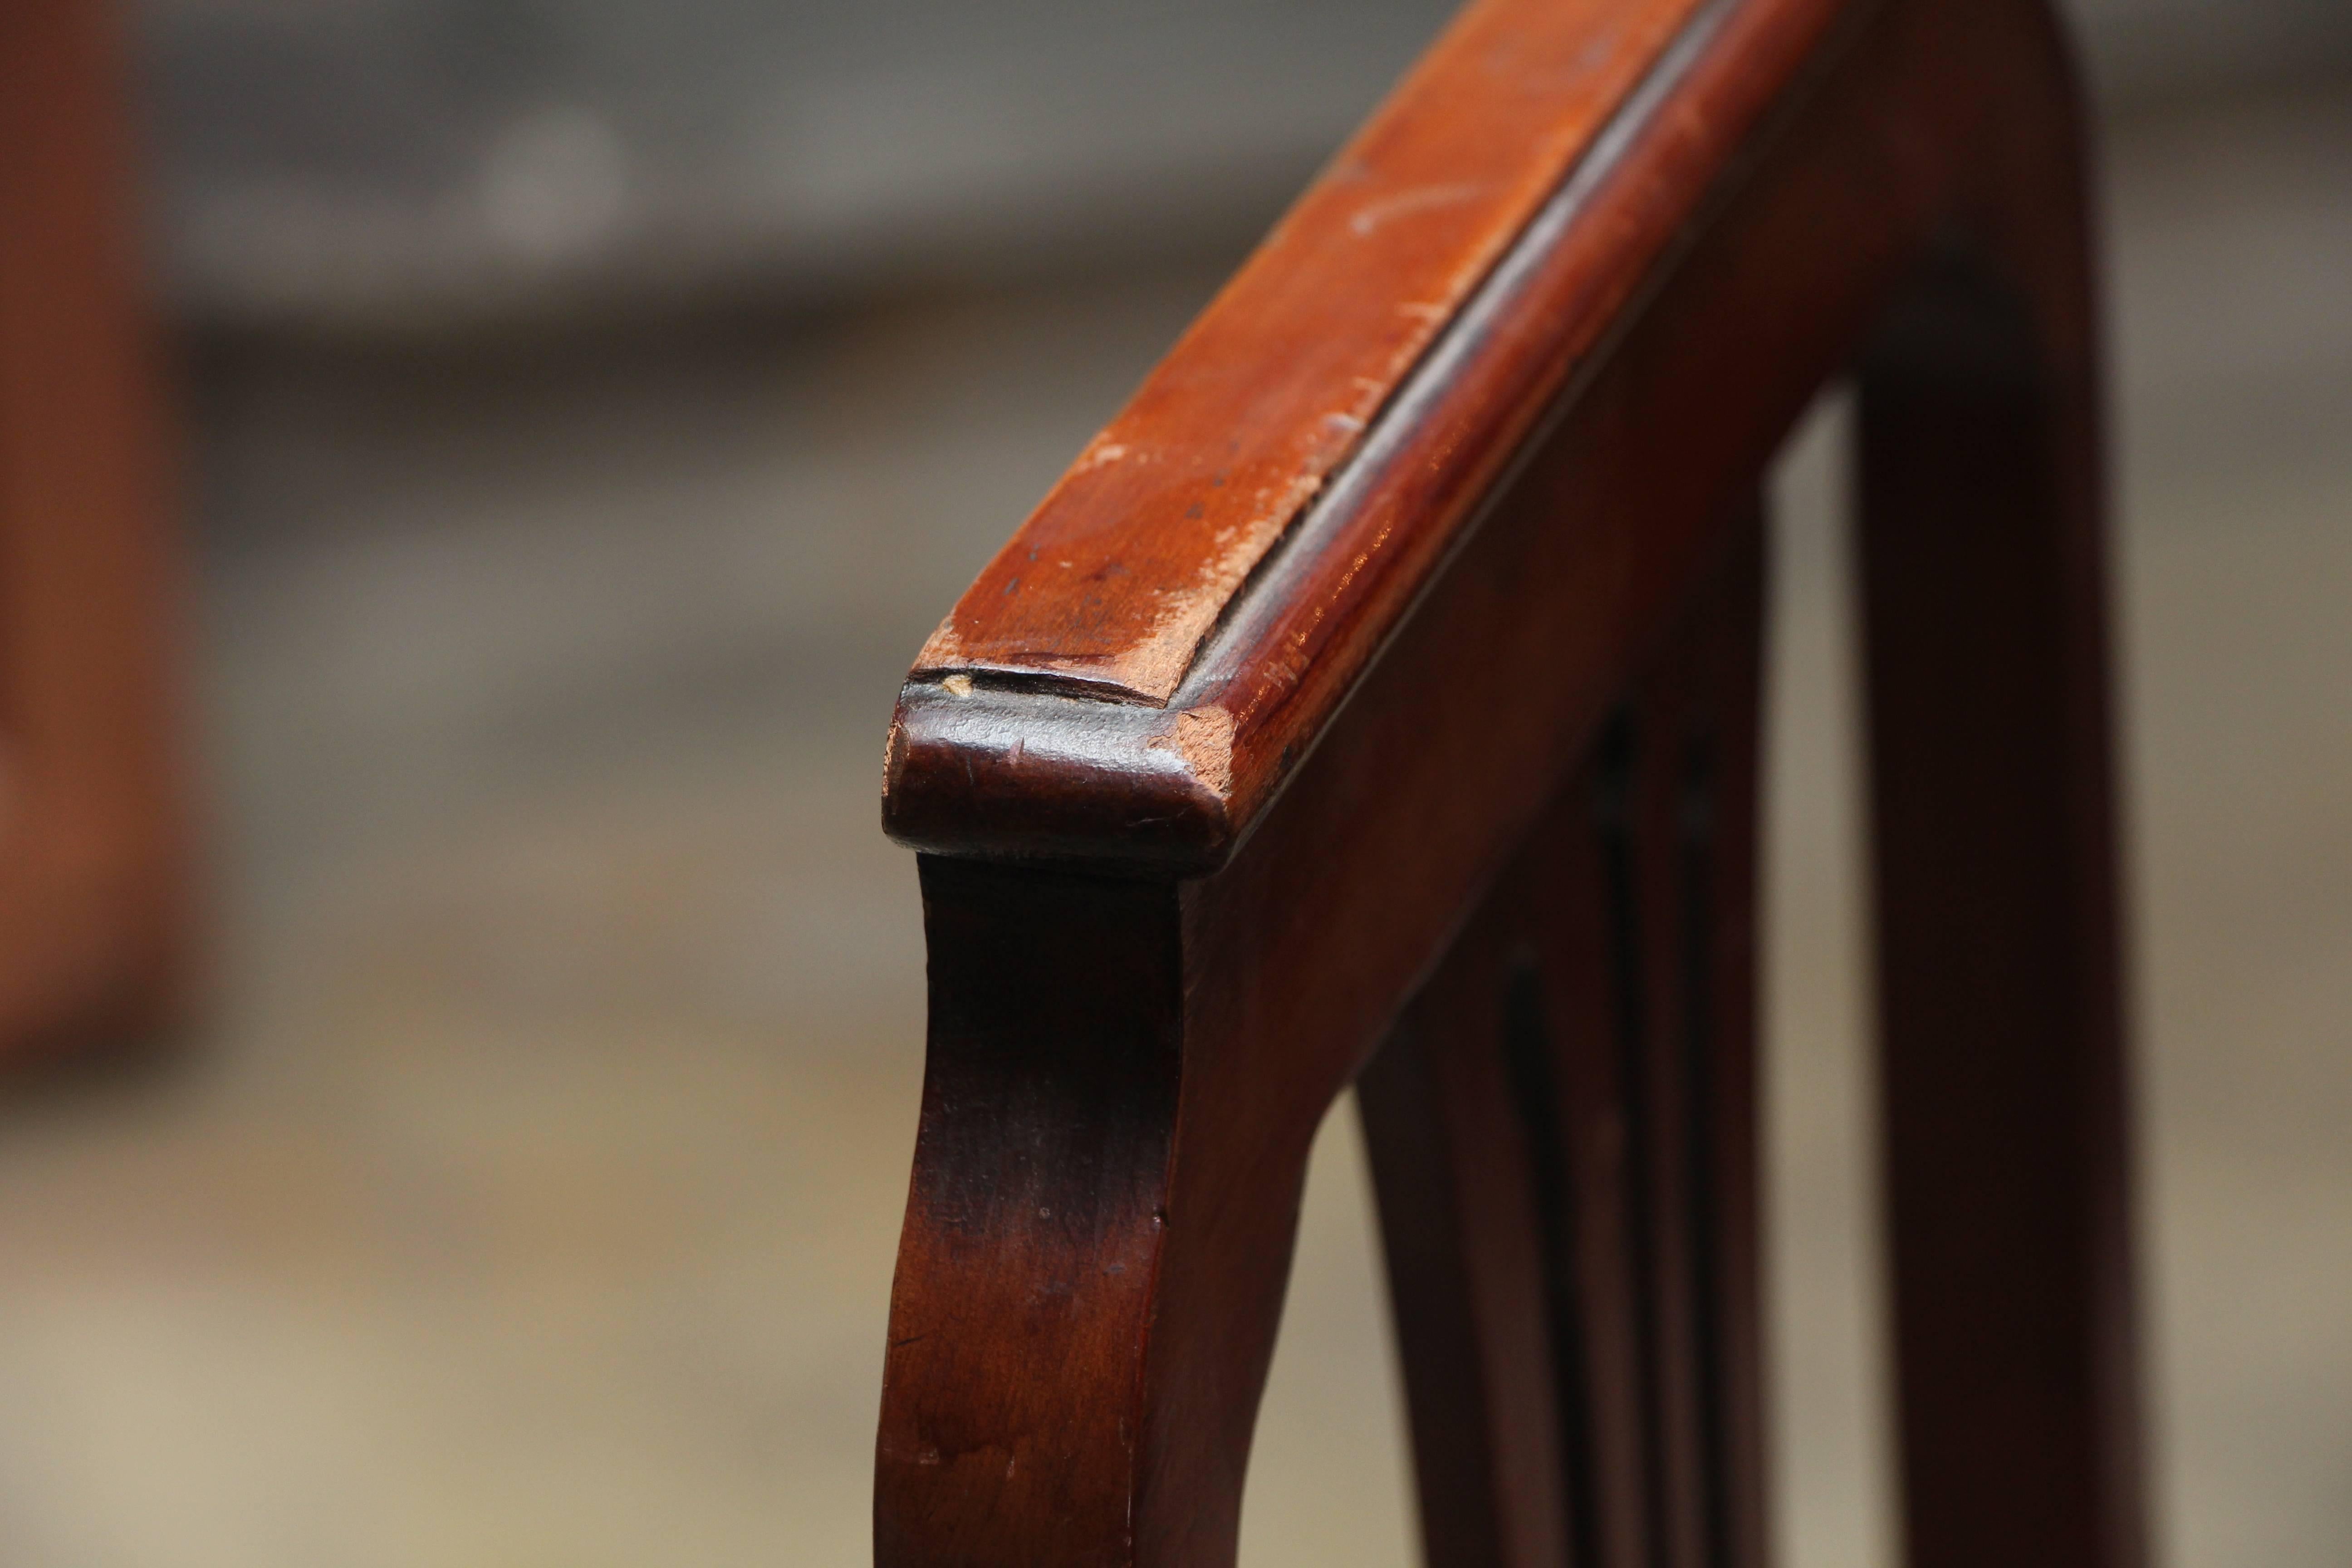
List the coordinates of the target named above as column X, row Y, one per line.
column 1274, row 714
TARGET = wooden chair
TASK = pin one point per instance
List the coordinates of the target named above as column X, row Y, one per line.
column 93, row 927
column 1374, row 700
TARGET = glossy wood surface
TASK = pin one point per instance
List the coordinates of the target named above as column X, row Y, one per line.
column 1180, row 770
column 1112, row 584
column 1562, row 1134
column 92, row 850
column 1380, row 725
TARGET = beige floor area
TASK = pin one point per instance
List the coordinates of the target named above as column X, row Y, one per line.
column 528, row 1196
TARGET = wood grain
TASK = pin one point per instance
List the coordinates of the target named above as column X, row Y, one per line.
column 1377, row 725
column 1114, row 580
column 1182, row 783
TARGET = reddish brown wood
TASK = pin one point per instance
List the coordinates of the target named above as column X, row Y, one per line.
column 1279, row 855
column 1562, row 1129
column 1179, row 774
column 1157, row 525
column 91, row 844
column 1048, row 1107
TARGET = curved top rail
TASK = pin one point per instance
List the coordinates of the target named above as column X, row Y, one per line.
column 1112, row 584
column 1137, row 670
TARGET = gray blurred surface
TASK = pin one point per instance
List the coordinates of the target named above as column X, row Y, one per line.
column 396, row 164
column 391, row 163
column 531, row 1197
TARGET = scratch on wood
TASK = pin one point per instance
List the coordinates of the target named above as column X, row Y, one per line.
column 943, row 648
column 1373, row 214
column 890, row 745
column 1100, row 451
column 1203, row 736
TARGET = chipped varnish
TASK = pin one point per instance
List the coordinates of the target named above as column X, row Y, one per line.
column 1114, row 580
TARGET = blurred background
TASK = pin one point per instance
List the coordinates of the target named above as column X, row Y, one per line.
column 591, row 404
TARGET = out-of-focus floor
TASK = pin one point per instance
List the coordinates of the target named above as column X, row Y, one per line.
column 530, row 1194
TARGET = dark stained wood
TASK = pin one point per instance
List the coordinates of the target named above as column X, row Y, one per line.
column 2001, row 1056
column 91, row 842
column 1181, row 922
column 1685, row 752
column 1562, row 1136
column 1062, row 1153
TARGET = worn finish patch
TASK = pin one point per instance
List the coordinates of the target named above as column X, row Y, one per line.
column 1130, row 561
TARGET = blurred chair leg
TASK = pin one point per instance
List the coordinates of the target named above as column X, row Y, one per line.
column 93, row 840
column 2002, row 1070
